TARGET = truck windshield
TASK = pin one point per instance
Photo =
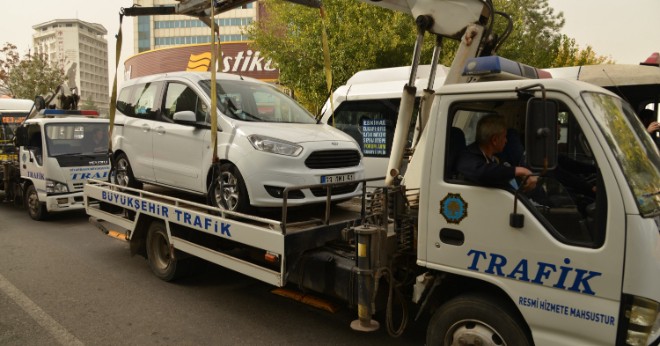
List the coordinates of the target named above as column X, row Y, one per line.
column 249, row 101
column 76, row 138
column 634, row 151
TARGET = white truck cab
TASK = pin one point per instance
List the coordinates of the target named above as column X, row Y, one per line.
column 579, row 261
column 58, row 152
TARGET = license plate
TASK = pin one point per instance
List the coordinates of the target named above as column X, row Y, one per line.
column 337, row 178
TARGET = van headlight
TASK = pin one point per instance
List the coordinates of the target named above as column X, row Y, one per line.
column 274, row 145
column 54, row 187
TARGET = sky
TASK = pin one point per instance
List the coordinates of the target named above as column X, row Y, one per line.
column 626, row 31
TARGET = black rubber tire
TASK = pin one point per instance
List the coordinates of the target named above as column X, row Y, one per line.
column 35, row 208
column 162, row 263
column 476, row 316
column 228, row 190
column 123, row 173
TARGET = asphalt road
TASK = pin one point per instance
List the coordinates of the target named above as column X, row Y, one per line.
column 63, row 281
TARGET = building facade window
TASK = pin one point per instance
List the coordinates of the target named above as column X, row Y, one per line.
column 194, row 23
column 144, row 34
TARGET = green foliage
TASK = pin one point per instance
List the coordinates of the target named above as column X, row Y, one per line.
column 570, row 54
column 360, row 36
column 535, row 36
column 28, row 77
column 88, row 104
column 363, row 36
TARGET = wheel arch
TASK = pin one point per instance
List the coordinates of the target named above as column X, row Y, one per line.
column 138, row 243
column 210, row 172
column 454, row 286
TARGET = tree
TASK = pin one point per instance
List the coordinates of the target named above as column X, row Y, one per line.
column 88, row 104
column 535, row 35
column 363, row 36
column 28, row 77
column 570, row 54
column 360, row 37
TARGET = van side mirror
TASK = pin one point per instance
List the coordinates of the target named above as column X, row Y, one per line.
column 541, row 134
column 185, row 118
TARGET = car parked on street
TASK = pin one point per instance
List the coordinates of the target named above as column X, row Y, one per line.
column 266, row 142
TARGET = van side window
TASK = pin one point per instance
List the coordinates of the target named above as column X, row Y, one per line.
column 180, row 97
column 145, row 105
column 371, row 123
column 125, row 102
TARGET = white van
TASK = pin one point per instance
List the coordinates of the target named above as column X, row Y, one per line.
column 367, row 107
column 266, row 142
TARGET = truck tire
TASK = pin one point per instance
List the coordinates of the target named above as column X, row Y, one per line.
column 228, row 190
column 123, row 173
column 35, row 208
column 162, row 263
column 475, row 320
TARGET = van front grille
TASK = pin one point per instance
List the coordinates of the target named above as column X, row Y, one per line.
column 323, row 159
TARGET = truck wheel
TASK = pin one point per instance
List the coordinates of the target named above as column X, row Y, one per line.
column 165, row 266
column 228, row 190
column 124, row 173
column 35, row 208
column 475, row 320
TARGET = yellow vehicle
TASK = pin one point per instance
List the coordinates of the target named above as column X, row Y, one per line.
column 12, row 114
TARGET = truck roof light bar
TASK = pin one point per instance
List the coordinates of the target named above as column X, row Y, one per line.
column 64, row 113
column 498, row 68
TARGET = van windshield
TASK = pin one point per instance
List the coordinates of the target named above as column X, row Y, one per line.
column 249, row 101
column 633, row 148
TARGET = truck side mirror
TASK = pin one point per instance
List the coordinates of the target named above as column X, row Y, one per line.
column 541, row 134
column 21, row 136
column 39, row 103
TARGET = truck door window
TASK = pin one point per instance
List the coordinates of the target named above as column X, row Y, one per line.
column 570, row 200
column 371, row 123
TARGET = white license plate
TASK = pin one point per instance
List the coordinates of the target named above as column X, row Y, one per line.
column 337, row 178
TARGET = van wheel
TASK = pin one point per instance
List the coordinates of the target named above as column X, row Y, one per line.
column 475, row 320
column 35, row 208
column 162, row 263
column 228, row 190
column 124, row 173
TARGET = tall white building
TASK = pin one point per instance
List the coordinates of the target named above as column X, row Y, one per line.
column 81, row 49
column 162, row 31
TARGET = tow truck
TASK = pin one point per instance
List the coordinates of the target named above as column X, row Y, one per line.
column 485, row 265
column 50, row 155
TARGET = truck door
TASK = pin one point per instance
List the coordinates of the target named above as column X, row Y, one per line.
column 563, row 269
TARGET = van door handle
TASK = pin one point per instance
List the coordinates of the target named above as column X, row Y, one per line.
column 146, row 128
column 160, row 130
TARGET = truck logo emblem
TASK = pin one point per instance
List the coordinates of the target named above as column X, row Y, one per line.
column 453, row 208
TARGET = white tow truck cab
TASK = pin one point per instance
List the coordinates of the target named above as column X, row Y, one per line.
column 59, row 150
column 575, row 261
